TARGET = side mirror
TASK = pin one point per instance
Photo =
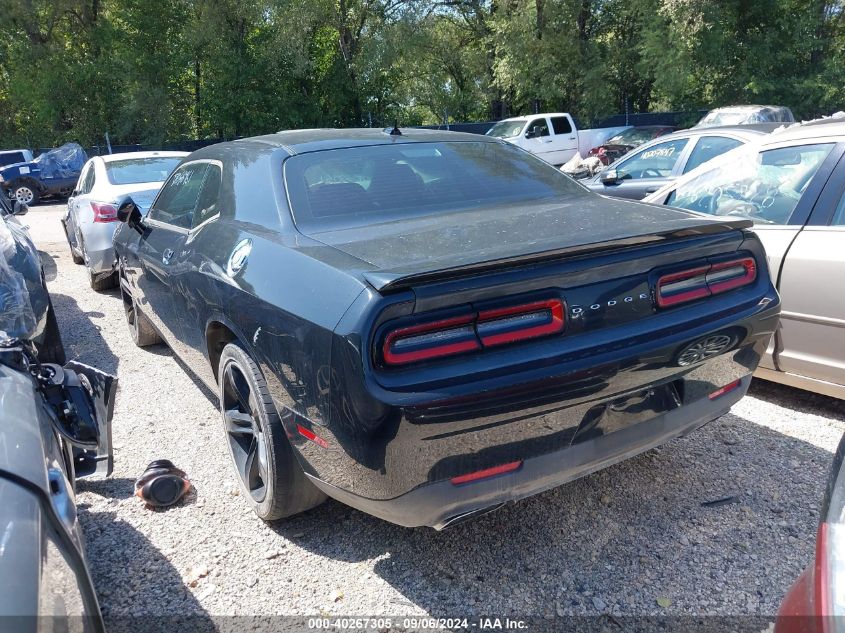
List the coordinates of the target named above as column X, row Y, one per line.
column 129, row 213
column 533, row 132
column 610, row 177
column 20, row 208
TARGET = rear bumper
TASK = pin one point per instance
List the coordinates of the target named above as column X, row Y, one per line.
column 440, row 504
column 99, row 248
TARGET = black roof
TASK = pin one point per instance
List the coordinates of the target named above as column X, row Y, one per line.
column 302, row 141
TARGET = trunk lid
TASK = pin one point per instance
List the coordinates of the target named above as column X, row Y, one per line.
column 424, row 248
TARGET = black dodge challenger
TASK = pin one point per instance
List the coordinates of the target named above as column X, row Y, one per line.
column 427, row 325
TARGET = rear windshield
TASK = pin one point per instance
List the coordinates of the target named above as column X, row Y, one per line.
column 10, row 158
column 365, row 185
column 137, row 170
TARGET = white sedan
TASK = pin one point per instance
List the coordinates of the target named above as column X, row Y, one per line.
column 92, row 208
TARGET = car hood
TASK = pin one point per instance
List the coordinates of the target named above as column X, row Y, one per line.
column 510, row 232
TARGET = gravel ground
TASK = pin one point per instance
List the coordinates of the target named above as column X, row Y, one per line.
column 631, row 540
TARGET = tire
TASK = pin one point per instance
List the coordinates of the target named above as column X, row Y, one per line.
column 142, row 331
column 103, row 282
column 25, row 193
column 52, row 350
column 278, row 488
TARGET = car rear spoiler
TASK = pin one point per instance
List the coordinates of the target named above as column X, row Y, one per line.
column 399, row 279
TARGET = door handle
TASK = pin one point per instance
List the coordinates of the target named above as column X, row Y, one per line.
column 166, row 255
column 652, row 189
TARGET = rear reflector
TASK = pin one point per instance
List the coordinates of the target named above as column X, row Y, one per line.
column 319, row 441
column 704, row 281
column 473, row 331
column 726, row 389
column 104, row 212
column 487, row 473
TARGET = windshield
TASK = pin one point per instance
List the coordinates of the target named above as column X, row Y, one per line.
column 136, row 170
column 634, row 136
column 365, row 185
column 506, row 129
column 762, row 185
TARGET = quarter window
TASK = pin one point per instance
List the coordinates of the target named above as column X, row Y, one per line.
column 207, row 207
column 88, row 180
column 709, row 147
column 180, row 196
column 656, row 161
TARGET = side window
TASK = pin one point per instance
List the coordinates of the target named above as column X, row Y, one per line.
column 88, row 183
column 180, row 196
column 561, row 125
column 207, row 207
column 709, row 147
column 538, row 127
column 656, row 161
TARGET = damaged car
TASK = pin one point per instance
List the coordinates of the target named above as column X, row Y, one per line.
column 56, row 429
column 52, row 174
column 21, row 256
column 427, row 325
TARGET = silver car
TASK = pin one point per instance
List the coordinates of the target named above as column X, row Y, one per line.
column 647, row 168
column 92, row 208
column 792, row 185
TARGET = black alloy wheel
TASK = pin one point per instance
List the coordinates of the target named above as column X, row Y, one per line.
column 244, row 432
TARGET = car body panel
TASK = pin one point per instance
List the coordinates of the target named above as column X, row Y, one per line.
column 805, row 257
column 308, row 309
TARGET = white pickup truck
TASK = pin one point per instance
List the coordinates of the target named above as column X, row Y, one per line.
column 552, row 136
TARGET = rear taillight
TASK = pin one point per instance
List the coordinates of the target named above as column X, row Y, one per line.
column 431, row 340
column 518, row 323
column 473, row 331
column 704, row 281
column 104, row 212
